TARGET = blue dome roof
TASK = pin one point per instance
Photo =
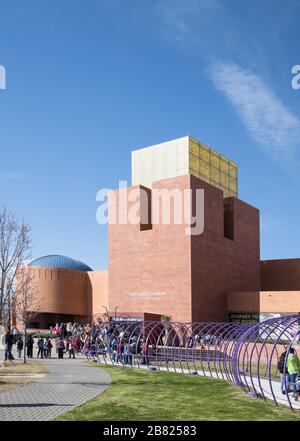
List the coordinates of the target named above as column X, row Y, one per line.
column 57, row 261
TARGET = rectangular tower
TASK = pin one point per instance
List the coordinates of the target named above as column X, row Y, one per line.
column 181, row 157
column 158, row 268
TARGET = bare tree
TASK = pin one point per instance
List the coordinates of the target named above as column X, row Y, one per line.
column 105, row 314
column 26, row 301
column 166, row 320
column 15, row 247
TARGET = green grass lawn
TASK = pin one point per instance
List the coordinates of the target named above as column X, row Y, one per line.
column 138, row 394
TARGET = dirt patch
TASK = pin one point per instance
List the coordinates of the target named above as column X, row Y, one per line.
column 15, row 373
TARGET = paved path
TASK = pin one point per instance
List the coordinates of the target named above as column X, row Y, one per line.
column 69, row 384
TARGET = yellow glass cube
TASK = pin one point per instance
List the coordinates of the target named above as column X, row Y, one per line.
column 232, row 169
column 204, row 153
column 213, row 168
column 194, row 147
column 214, row 158
column 204, row 168
column 214, row 173
column 224, row 164
column 194, row 163
column 224, row 179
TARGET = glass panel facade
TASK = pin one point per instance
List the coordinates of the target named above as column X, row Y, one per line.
column 213, row 168
column 184, row 156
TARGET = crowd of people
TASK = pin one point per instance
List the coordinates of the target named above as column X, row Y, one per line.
column 111, row 338
column 17, row 339
column 114, row 340
column 73, row 339
column 102, row 338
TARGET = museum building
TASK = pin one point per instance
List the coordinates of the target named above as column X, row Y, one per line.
column 155, row 268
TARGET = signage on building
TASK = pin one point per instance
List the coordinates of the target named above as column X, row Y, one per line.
column 244, row 317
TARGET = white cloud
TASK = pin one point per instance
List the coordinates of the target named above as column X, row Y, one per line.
column 11, row 176
column 271, row 124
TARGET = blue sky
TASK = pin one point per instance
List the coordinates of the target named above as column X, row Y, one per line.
column 89, row 81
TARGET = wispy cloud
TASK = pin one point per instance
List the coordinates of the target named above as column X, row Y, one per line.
column 269, row 122
column 211, row 27
column 215, row 31
column 188, row 22
column 9, row 176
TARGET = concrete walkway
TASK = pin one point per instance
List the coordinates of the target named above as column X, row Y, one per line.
column 69, row 384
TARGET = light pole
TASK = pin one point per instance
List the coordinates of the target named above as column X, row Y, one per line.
column 116, row 312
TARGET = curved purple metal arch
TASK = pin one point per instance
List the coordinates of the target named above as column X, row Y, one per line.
column 246, row 355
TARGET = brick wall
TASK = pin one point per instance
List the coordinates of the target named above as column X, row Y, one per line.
column 220, row 264
column 280, row 275
column 286, row 302
column 150, row 270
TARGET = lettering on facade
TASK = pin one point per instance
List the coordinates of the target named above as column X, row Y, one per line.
column 147, row 295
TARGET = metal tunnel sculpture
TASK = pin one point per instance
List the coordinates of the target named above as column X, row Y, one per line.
column 244, row 354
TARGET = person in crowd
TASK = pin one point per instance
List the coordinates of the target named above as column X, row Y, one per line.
column 113, row 346
column 60, row 347
column 40, row 346
column 127, row 354
column 72, row 349
column 20, row 345
column 293, row 367
column 48, row 348
column 75, row 329
column 217, row 341
column 63, row 331
column 94, row 331
column 16, row 334
column 8, row 346
column 284, row 374
column 69, row 329
column 207, row 340
column 191, row 341
column 120, row 349
column 56, row 330
column 104, row 334
column 133, row 347
column 144, row 352
column 77, row 344
column 87, row 329
column 29, row 346
column 67, row 344
column 87, row 346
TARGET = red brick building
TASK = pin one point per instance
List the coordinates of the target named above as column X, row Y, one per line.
column 163, row 270
column 155, row 268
